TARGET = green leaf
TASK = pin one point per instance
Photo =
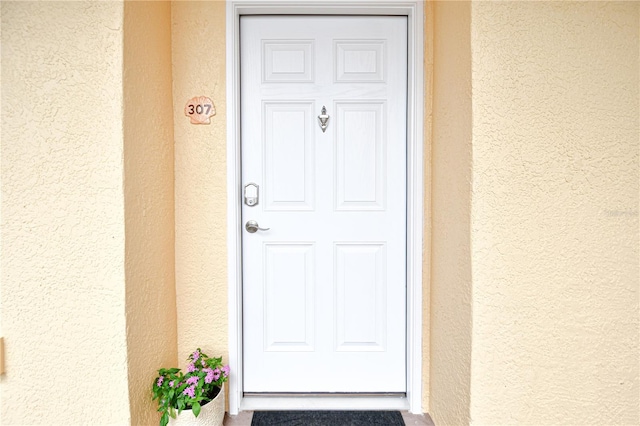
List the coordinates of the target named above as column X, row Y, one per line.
column 164, row 420
column 196, row 409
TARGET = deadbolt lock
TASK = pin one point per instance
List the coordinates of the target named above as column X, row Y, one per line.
column 251, row 194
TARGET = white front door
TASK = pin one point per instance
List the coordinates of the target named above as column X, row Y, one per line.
column 324, row 288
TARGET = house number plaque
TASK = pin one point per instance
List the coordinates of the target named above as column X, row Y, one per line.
column 200, row 110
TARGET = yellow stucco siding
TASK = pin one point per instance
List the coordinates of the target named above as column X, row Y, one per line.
column 149, row 201
column 113, row 214
column 62, row 214
column 555, row 213
column 451, row 275
column 198, row 52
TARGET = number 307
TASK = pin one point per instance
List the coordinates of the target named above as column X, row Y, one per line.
column 199, row 109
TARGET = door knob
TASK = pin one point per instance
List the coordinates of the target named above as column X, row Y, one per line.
column 252, row 226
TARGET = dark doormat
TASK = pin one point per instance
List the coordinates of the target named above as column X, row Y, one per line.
column 327, row 418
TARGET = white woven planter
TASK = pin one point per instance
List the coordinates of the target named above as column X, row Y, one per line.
column 211, row 414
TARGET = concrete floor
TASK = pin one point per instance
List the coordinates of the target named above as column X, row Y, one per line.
column 244, row 419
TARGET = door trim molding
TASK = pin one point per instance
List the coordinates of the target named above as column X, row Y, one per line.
column 414, row 10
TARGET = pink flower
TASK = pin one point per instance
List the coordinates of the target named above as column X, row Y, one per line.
column 171, row 384
column 209, row 377
column 225, row 371
column 202, row 363
column 191, row 368
column 160, row 380
column 191, row 391
column 196, row 355
column 192, row 380
column 216, row 374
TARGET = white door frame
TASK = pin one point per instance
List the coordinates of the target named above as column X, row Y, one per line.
column 415, row 206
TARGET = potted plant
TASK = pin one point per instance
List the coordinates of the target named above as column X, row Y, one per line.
column 196, row 394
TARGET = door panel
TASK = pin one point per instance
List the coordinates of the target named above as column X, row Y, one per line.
column 359, row 61
column 360, row 297
column 289, row 155
column 289, row 288
column 324, row 287
column 360, row 163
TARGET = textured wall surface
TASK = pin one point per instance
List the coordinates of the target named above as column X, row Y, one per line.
column 198, row 43
column 534, row 257
column 62, row 259
column 426, row 243
column 149, row 201
column 451, row 206
column 555, row 213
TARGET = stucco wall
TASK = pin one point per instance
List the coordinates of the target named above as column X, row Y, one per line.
column 198, row 48
column 555, row 213
column 149, row 201
column 534, row 257
column 62, row 214
column 451, row 303
column 427, row 162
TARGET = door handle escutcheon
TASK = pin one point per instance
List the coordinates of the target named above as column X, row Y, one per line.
column 252, row 226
